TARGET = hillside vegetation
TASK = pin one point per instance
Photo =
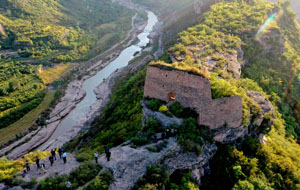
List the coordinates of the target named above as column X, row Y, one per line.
column 36, row 36
column 225, row 29
column 228, row 27
column 165, row 7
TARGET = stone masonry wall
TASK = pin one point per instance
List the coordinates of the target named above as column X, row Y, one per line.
column 194, row 91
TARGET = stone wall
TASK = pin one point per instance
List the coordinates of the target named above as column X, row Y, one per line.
column 193, row 91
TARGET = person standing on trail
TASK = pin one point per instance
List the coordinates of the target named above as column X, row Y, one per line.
column 43, row 168
column 68, row 185
column 27, row 166
column 53, row 153
column 108, row 154
column 96, row 157
column 106, row 149
column 64, row 156
column 51, row 160
column 60, row 152
column 24, row 173
column 37, row 161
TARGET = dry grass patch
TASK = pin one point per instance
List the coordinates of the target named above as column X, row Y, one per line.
column 50, row 75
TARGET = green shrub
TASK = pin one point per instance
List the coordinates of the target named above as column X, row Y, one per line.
column 163, row 108
column 102, row 182
column 84, row 156
column 139, row 141
column 78, row 177
column 85, row 172
column 179, row 111
column 243, row 185
column 156, row 174
column 154, row 104
column 152, row 149
column 154, row 125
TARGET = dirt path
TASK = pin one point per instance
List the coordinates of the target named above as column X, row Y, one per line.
column 2, row 30
column 65, row 34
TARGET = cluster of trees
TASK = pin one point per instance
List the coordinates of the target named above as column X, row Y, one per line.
column 158, row 177
column 21, row 90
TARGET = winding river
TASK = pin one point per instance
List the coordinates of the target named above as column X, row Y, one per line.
column 83, row 108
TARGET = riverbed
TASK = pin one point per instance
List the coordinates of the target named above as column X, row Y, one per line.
column 80, row 112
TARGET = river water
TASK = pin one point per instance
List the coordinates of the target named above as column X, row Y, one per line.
column 83, row 108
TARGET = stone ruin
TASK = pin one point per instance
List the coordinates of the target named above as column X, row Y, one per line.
column 193, row 91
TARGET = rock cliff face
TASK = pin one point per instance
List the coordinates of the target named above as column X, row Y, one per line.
column 193, row 91
column 262, row 122
column 128, row 163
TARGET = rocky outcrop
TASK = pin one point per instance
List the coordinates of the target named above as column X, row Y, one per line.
column 262, row 122
column 229, row 135
column 128, row 163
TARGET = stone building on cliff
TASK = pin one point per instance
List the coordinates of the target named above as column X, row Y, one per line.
column 194, row 91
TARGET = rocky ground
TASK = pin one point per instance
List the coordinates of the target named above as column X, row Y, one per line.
column 128, row 163
column 58, row 168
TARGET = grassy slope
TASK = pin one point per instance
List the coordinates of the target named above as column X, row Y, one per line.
column 26, row 121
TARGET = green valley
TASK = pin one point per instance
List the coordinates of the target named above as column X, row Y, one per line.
column 210, row 102
column 38, row 38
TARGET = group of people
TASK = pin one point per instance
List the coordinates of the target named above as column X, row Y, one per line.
column 52, row 158
column 62, row 155
column 107, row 153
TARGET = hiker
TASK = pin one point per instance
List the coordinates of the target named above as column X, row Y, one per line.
column 96, row 157
column 68, row 185
column 24, row 173
column 51, row 160
column 37, row 161
column 106, row 149
column 64, row 156
column 53, row 153
column 108, row 154
column 27, row 165
column 60, row 152
column 43, row 168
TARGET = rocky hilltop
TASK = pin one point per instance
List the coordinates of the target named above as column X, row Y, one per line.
column 218, row 110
